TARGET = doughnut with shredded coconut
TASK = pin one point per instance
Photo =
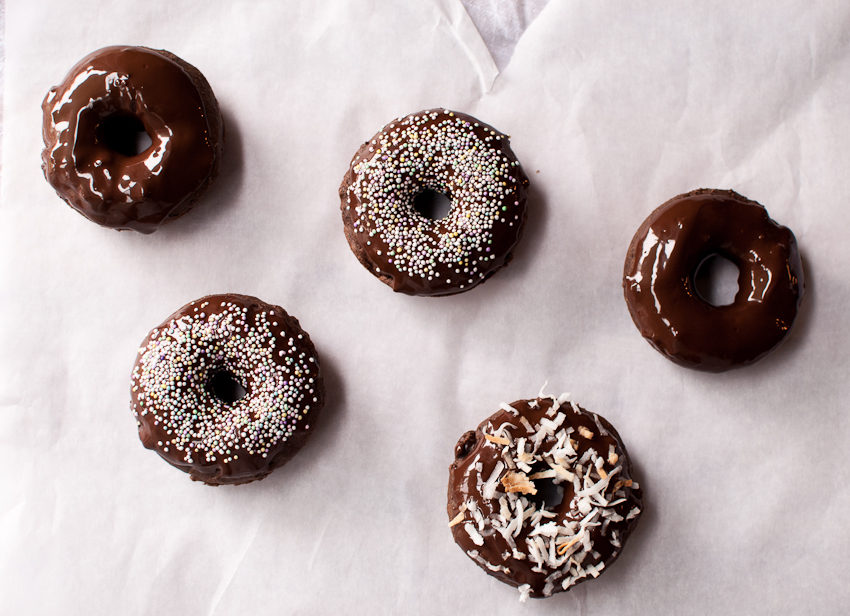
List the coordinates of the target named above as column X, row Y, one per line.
column 561, row 519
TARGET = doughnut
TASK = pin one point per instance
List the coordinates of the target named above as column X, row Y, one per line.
column 541, row 495
column 667, row 251
column 227, row 389
column 90, row 128
column 445, row 152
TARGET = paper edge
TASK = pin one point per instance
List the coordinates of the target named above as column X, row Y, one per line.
column 464, row 30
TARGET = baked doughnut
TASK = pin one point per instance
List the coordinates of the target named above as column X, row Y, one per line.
column 445, row 152
column 191, row 370
column 541, row 495
column 667, row 251
column 91, row 123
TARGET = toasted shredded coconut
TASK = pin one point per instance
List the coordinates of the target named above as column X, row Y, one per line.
column 456, row 520
column 543, row 474
column 562, row 549
column 518, row 482
column 499, row 440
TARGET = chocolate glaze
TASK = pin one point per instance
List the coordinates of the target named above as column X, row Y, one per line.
column 178, row 110
column 658, row 280
column 261, row 431
column 465, row 233
column 476, row 459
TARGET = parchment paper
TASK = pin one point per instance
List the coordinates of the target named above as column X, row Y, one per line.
column 612, row 111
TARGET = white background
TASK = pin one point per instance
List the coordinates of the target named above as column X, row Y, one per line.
column 612, row 111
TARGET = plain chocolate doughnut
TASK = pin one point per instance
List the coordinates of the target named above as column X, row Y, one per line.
column 90, row 121
column 664, row 256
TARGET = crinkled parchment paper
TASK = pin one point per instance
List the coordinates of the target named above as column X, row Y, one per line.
column 612, row 111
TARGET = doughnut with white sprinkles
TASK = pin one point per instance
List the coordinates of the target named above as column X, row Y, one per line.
column 541, row 495
column 227, row 389
column 446, row 152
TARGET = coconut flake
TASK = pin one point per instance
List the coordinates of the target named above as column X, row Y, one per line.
column 489, row 489
column 550, row 474
column 524, row 592
column 599, row 425
column 504, row 509
column 562, row 549
column 499, row 440
column 562, row 472
column 507, row 407
column 550, row 529
column 476, row 537
column 456, row 520
column 598, row 486
column 615, row 540
column 518, row 482
column 520, row 515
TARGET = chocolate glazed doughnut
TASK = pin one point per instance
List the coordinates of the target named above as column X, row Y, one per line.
column 445, row 152
column 186, row 386
column 90, row 124
column 658, row 280
column 541, row 495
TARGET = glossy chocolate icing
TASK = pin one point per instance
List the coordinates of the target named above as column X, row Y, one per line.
column 176, row 107
column 478, row 455
column 658, row 280
column 434, row 150
column 220, row 441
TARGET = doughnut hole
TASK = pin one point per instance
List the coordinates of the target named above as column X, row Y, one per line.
column 432, row 204
column 123, row 133
column 224, row 386
column 549, row 494
column 716, row 280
